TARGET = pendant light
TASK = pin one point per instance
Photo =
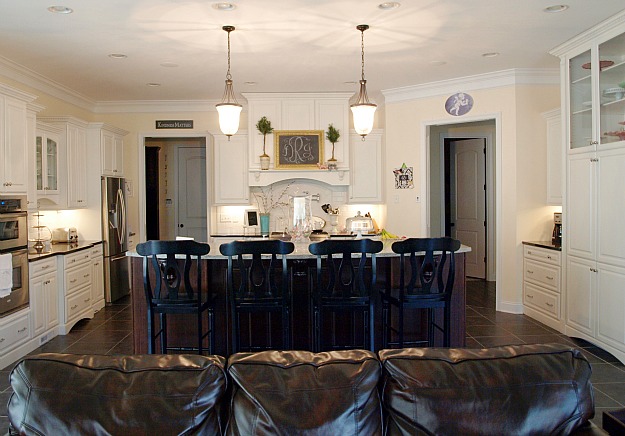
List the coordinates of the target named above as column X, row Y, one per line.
column 363, row 110
column 229, row 109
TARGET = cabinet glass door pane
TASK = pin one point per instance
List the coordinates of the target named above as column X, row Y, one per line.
column 51, row 164
column 39, row 164
column 612, row 88
column 580, row 100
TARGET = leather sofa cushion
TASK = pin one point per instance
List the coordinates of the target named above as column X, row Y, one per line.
column 525, row 389
column 93, row 394
column 299, row 392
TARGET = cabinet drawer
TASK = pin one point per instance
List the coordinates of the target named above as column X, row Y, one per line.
column 77, row 278
column 74, row 259
column 542, row 254
column 42, row 266
column 13, row 333
column 542, row 300
column 77, row 304
column 95, row 251
column 545, row 275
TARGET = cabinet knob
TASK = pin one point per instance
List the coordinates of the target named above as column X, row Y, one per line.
column 594, row 142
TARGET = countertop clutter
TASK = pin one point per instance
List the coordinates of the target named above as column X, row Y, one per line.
column 60, row 249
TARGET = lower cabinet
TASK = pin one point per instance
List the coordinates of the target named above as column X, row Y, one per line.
column 97, row 277
column 44, row 297
column 541, row 285
column 75, row 282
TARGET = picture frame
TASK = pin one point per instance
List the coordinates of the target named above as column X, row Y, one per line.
column 298, row 149
column 251, row 219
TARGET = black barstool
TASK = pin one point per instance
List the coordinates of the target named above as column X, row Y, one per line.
column 170, row 290
column 258, row 283
column 344, row 283
column 424, row 283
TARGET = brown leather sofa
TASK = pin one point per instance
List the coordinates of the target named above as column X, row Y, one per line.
column 528, row 389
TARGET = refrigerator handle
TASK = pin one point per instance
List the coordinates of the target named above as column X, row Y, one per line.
column 122, row 203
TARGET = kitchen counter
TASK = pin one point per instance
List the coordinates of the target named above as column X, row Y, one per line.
column 60, row 249
column 544, row 244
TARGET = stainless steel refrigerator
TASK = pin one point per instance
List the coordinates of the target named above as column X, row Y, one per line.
column 114, row 233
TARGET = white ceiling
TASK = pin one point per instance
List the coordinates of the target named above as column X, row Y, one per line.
column 281, row 45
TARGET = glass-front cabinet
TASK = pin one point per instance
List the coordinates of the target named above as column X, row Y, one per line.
column 596, row 95
column 47, row 160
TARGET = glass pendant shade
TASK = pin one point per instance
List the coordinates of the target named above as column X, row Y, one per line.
column 229, row 109
column 363, row 110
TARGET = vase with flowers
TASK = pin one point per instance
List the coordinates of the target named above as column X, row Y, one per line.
column 264, row 127
column 333, row 136
column 267, row 200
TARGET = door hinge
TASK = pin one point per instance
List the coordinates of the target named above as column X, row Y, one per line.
column 484, row 259
column 484, row 223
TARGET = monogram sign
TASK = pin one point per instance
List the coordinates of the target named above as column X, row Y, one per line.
column 298, row 149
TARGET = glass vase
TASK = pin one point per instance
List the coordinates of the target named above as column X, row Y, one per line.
column 264, row 224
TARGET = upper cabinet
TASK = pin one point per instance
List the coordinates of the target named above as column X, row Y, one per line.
column 554, row 157
column 14, row 140
column 111, row 141
column 366, row 175
column 298, row 112
column 230, row 170
column 593, row 68
column 47, row 160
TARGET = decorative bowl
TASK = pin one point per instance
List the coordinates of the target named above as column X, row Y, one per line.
column 617, row 93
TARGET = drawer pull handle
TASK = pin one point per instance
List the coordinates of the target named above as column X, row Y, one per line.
column 593, row 269
column 548, row 257
column 45, row 267
column 529, row 295
column 549, row 304
column 2, row 339
column 86, row 275
column 529, row 271
column 73, row 281
column 549, row 278
column 529, row 252
column 22, row 330
column 87, row 300
column 73, row 307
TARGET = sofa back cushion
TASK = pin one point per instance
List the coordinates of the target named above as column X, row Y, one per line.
column 90, row 394
column 299, row 392
column 526, row 389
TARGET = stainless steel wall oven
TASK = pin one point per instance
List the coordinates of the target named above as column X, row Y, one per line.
column 14, row 242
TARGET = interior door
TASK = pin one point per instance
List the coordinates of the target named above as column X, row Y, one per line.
column 469, row 213
column 192, row 193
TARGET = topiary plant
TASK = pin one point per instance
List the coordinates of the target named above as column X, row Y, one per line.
column 333, row 136
column 264, row 127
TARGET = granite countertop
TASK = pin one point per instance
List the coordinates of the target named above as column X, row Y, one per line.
column 300, row 252
column 60, row 249
column 544, row 244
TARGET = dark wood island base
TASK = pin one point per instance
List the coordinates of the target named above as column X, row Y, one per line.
column 302, row 267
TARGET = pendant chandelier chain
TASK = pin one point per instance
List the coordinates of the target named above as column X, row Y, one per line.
column 362, row 51
column 228, row 75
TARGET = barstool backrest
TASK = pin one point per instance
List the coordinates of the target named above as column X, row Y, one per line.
column 169, row 277
column 346, row 279
column 425, row 272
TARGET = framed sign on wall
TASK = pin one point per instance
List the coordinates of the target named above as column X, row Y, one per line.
column 298, row 148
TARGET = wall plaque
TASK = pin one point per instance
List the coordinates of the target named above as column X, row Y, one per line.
column 459, row 104
column 174, row 124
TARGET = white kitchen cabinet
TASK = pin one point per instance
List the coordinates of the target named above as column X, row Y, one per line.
column 592, row 65
column 43, row 290
column 97, row 283
column 13, row 140
column 48, row 161
column 72, row 162
column 542, row 285
column 15, row 330
column 75, row 282
column 230, row 184
column 366, row 172
column 110, row 141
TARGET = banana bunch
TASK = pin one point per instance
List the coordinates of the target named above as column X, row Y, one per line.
column 385, row 234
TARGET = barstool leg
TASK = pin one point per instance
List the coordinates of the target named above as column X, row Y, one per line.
column 151, row 342
column 163, row 318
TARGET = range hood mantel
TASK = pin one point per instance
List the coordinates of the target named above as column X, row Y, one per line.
column 339, row 177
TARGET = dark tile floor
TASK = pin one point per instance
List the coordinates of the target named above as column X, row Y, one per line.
column 109, row 332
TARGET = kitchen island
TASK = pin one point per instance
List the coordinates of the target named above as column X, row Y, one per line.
column 303, row 265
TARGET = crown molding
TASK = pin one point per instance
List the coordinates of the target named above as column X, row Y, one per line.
column 609, row 25
column 137, row 106
column 35, row 80
column 523, row 76
column 297, row 95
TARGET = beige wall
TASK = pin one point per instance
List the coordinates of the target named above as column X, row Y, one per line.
column 520, row 157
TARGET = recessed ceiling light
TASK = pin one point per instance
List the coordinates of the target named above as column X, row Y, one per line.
column 556, row 8
column 60, row 10
column 492, row 54
column 437, row 63
column 224, row 6
column 386, row 6
column 153, row 84
column 251, row 83
column 117, row 56
column 168, row 64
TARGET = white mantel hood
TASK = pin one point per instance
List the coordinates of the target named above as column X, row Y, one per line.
column 339, row 177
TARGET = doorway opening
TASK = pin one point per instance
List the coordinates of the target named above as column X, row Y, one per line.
column 175, row 188
column 462, row 185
